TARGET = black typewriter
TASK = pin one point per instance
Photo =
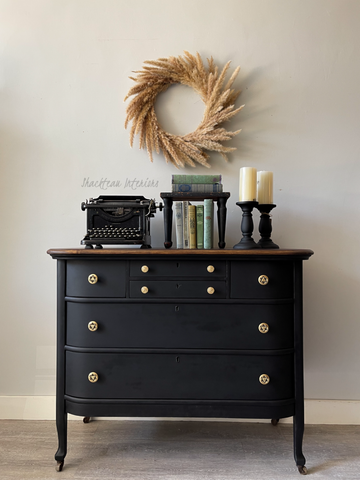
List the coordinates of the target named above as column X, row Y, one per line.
column 118, row 220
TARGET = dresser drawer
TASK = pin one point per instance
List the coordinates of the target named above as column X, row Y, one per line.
column 180, row 326
column 179, row 376
column 177, row 268
column 210, row 289
column 261, row 279
column 95, row 279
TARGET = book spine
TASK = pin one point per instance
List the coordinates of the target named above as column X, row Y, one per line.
column 179, row 179
column 185, row 224
column 197, row 187
column 208, row 223
column 200, row 226
column 192, row 226
column 179, row 224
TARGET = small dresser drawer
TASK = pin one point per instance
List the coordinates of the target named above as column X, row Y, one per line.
column 180, row 268
column 95, row 279
column 206, row 325
column 261, row 279
column 210, row 289
column 179, row 376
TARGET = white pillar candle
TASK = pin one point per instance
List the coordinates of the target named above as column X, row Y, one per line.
column 247, row 184
column 264, row 187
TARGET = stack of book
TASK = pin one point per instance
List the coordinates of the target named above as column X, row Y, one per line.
column 194, row 224
column 196, row 184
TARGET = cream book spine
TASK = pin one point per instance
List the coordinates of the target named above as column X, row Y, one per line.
column 179, row 225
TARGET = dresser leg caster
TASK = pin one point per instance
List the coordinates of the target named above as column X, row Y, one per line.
column 86, row 419
column 59, row 466
column 274, row 421
column 302, row 470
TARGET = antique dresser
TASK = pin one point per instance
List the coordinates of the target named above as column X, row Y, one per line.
column 180, row 333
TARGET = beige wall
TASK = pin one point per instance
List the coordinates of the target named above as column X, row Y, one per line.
column 63, row 76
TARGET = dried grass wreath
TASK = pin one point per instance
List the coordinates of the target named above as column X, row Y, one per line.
column 219, row 107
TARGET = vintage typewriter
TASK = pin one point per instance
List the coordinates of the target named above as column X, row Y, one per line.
column 118, row 220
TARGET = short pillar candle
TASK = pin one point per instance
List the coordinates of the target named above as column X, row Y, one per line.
column 264, row 187
column 247, row 184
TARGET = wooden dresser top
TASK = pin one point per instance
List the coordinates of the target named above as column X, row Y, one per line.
column 298, row 254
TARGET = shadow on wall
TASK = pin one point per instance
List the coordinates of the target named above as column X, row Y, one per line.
column 331, row 296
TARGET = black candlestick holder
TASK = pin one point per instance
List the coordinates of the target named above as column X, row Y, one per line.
column 265, row 227
column 247, row 226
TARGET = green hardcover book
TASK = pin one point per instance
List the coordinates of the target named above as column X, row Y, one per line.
column 200, row 226
column 208, row 223
column 186, row 179
column 192, row 226
column 197, row 187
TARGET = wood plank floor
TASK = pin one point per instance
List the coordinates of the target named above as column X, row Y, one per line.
column 169, row 450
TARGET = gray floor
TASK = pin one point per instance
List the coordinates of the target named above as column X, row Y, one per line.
column 148, row 450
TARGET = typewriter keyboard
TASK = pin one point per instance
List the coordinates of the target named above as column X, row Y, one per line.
column 126, row 233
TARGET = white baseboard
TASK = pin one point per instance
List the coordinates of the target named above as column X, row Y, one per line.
column 325, row 412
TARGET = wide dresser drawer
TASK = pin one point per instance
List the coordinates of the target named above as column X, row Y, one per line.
column 179, row 376
column 182, row 325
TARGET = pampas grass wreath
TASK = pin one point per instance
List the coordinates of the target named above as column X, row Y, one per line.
column 156, row 77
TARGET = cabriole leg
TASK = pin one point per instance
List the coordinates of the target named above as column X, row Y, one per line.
column 61, row 415
column 298, row 430
column 61, row 425
column 298, row 419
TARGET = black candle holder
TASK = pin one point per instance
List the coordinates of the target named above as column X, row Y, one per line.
column 247, row 226
column 265, row 227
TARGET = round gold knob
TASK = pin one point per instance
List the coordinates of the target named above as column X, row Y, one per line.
column 144, row 290
column 93, row 377
column 264, row 379
column 210, row 290
column 263, row 279
column 210, row 268
column 144, row 268
column 93, row 326
column 92, row 278
column 263, row 328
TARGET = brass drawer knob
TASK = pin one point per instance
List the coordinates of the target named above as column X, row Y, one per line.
column 264, row 379
column 263, row 279
column 92, row 278
column 210, row 268
column 144, row 268
column 93, row 326
column 263, row 328
column 144, row 290
column 93, row 377
column 210, row 290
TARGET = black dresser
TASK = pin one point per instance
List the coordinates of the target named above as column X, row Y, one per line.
column 180, row 333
